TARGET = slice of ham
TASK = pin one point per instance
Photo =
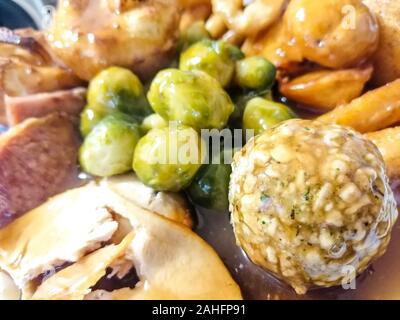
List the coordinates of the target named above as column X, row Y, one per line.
column 68, row 102
column 37, row 160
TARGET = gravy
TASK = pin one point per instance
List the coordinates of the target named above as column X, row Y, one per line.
column 380, row 282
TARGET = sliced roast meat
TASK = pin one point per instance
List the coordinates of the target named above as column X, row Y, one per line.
column 27, row 66
column 37, row 160
column 69, row 102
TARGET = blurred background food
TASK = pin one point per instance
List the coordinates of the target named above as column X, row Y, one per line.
column 387, row 57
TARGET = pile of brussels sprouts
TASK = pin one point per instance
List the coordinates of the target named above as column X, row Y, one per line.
column 213, row 87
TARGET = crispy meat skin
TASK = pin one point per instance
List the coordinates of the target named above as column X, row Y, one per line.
column 69, row 102
column 37, row 160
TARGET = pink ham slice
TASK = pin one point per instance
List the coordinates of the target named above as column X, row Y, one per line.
column 68, row 102
column 37, row 160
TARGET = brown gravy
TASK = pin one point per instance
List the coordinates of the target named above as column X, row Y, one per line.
column 380, row 281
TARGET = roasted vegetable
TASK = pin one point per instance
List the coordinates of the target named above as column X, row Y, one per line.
column 192, row 98
column 261, row 114
column 387, row 57
column 108, row 149
column 324, row 90
column 153, row 121
column 241, row 99
column 274, row 45
column 248, row 17
column 375, row 110
column 89, row 119
column 333, row 33
column 255, row 73
column 210, row 186
column 91, row 35
column 388, row 143
column 118, row 89
column 167, row 159
column 217, row 58
column 195, row 33
column 193, row 11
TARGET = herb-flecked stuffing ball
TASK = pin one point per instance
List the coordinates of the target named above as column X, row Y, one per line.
column 308, row 199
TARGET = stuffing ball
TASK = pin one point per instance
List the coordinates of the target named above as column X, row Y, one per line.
column 309, row 200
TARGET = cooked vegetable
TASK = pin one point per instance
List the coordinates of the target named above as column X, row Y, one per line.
column 118, row 89
column 375, row 110
column 191, row 98
column 241, row 99
column 167, row 159
column 195, row 33
column 193, row 11
column 261, row 114
column 216, row 25
column 108, row 149
column 249, row 17
column 89, row 36
column 388, row 143
column 333, row 33
column 255, row 73
column 324, row 90
column 210, row 187
column 387, row 57
column 89, row 119
column 274, row 45
column 153, row 121
column 217, row 58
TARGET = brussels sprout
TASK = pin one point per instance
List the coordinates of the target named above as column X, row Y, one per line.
column 255, row 73
column 108, row 149
column 195, row 33
column 153, row 121
column 89, row 119
column 167, row 159
column 118, row 89
column 261, row 114
column 240, row 101
column 210, row 186
column 217, row 58
column 191, row 98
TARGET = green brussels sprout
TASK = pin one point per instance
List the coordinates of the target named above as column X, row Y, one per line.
column 167, row 159
column 153, row 121
column 195, row 33
column 261, row 114
column 191, row 98
column 118, row 89
column 217, row 58
column 89, row 119
column 210, row 186
column 108, row 149
column 240, row 101
column 255, row 73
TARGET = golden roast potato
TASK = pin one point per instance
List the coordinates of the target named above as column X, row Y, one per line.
column 387, row 58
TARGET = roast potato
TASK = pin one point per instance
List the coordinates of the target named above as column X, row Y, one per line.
column 324, row 90
column 92, row 35
column 387, row 57
column 375, row 110
column 388, row 143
